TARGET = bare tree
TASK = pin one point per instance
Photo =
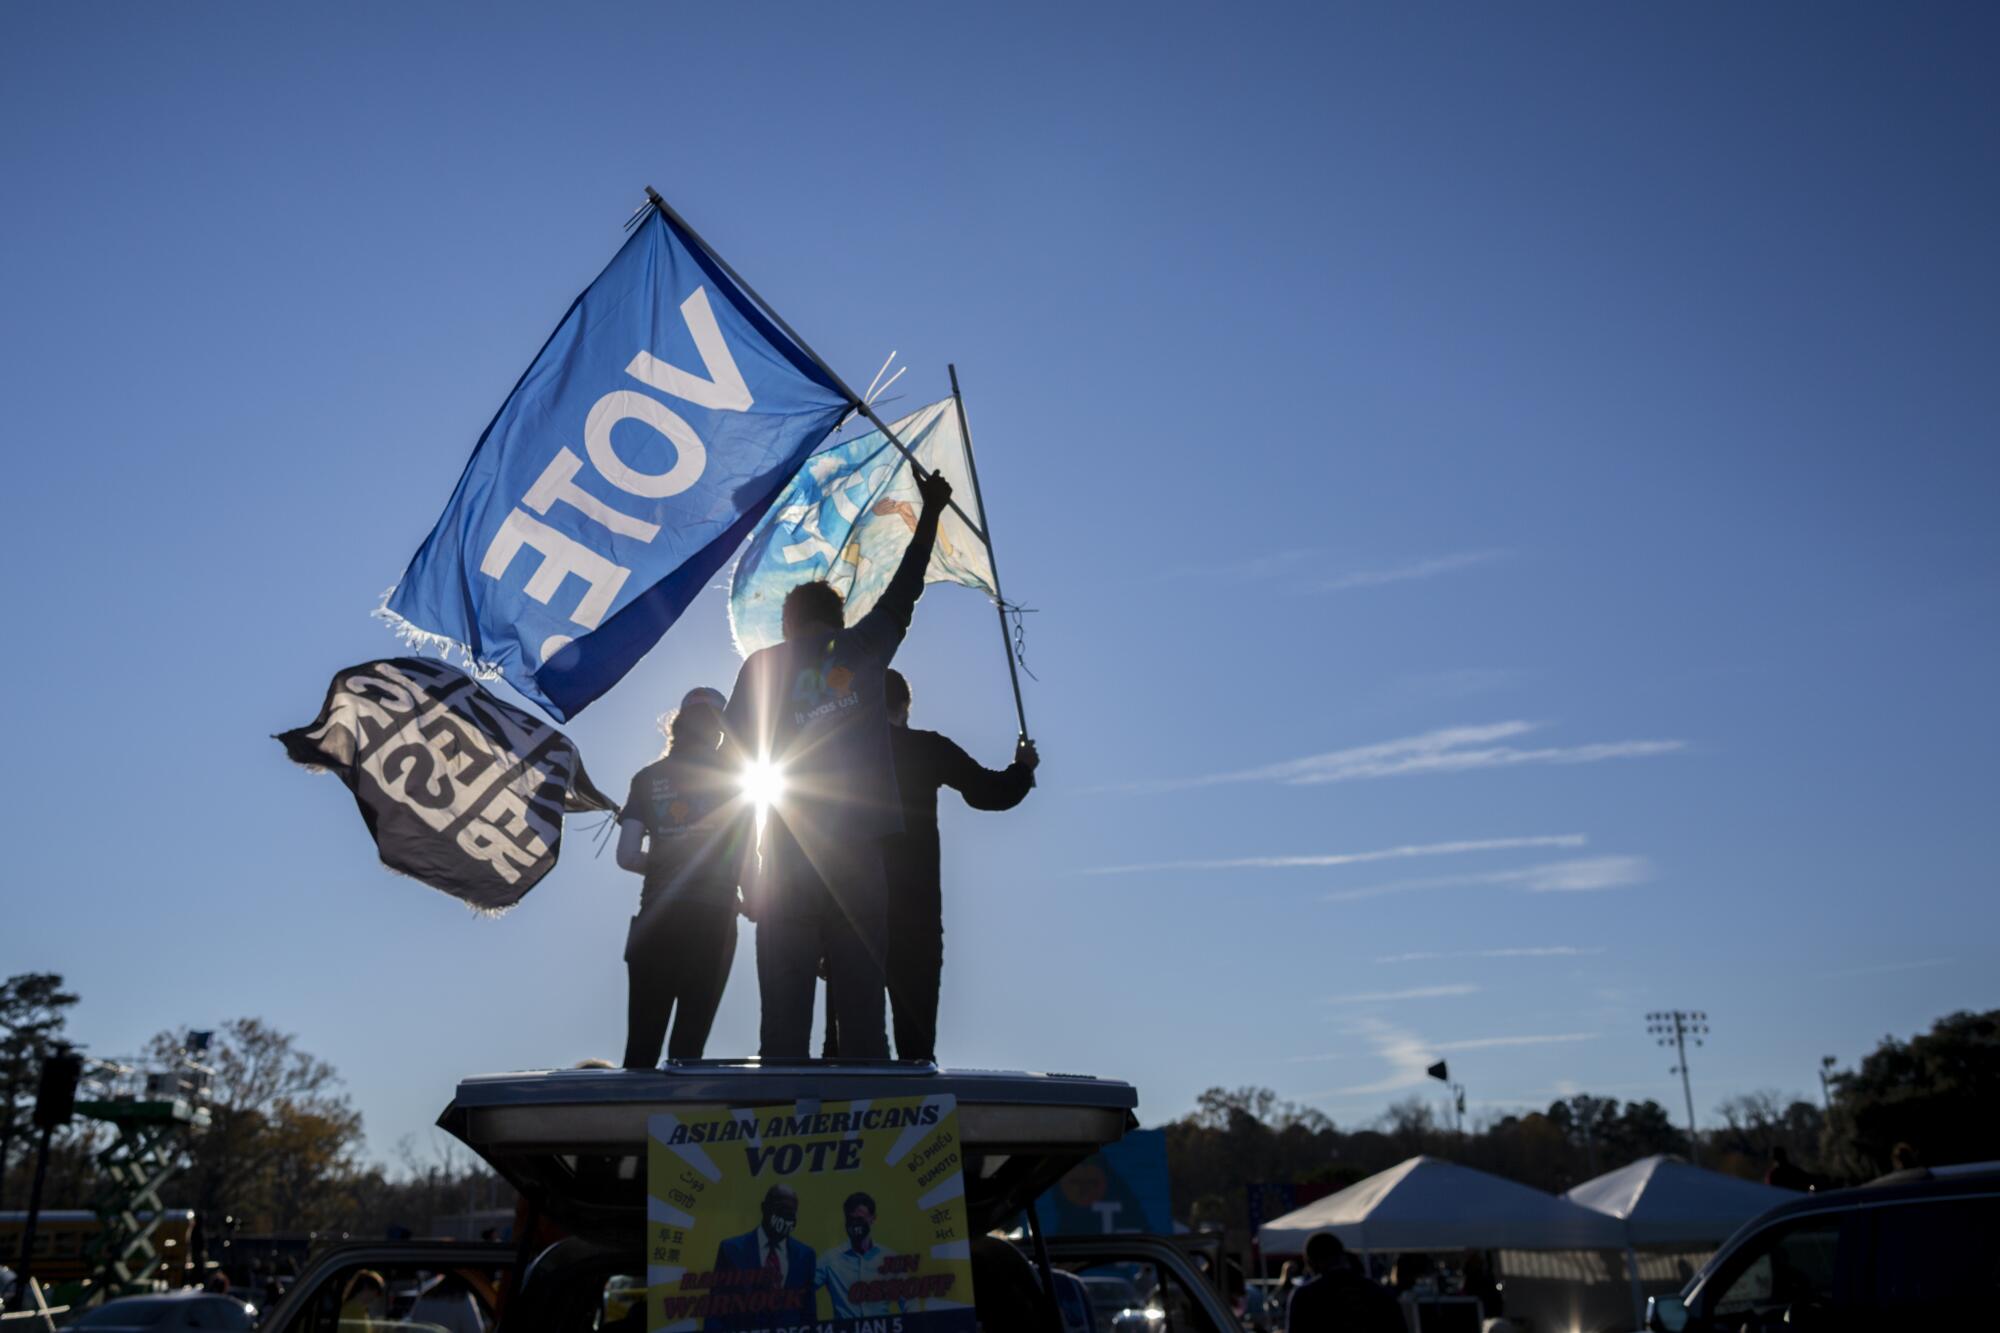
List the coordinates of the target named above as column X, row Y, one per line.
column 280, row 1151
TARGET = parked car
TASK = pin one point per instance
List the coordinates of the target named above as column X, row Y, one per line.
column 1118, row 1305
column 574, row 1143
column 187, row 1308
column 1915, row 1250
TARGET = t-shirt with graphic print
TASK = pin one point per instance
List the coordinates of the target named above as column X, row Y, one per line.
column 696, row 829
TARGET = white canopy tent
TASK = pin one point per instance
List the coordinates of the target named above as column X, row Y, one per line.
column 1668, row 1201
column 1429, row 1204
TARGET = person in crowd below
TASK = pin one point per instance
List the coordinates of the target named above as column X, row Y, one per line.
column 1477, row 1280
column 686, row 828
column 446, row 1301
column 364, row 1303
column 1006, row 1292
column 1337, row 1298
column 812, row 708
column 1782, row 1173
column 925, row 762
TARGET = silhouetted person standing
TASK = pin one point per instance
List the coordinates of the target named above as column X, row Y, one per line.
column 812, row 705
column 685, row 828
column 1337, row 1298
column 1783, row 1173
column 926, row 762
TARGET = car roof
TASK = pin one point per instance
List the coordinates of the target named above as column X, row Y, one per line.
column 573, row 1140
column 1897, row 1187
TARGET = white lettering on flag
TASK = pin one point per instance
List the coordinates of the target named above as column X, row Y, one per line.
column 558, row 482
column 723, row 390
column 561, row 556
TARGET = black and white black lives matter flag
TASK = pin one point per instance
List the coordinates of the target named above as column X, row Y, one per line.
column 460, row 790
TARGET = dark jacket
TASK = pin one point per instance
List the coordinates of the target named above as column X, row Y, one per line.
column 925, row 763
column 1343, row 1301
column 740, row 1254
column 814, row 704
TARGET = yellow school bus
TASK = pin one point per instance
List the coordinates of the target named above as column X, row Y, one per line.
column 63, row 1237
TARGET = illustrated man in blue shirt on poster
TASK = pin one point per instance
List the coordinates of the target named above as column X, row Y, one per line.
column 860, row 1260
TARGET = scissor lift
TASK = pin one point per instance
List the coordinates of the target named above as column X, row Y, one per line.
column 151, row 1116
column 147, row 1150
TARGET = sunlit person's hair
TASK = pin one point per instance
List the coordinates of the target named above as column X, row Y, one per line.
column 815, row 603
column 697, row 726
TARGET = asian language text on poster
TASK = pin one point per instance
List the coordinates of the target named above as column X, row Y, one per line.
column 830, row 1217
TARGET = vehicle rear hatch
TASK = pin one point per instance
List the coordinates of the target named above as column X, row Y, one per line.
column 573, row 1141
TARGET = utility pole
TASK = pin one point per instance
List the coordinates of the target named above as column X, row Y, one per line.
column 1826, row 1064
column 55, row 1102
column 1673, row 1027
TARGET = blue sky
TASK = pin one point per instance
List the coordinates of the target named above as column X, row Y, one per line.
column 1551, row 444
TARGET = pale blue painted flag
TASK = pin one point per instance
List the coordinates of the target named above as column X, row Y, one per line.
column 848, row 516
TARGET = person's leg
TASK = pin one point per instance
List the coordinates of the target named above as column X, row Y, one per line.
column 710, row 950
column 857, row 947
column 649, row 997
column 916, row 961
column 788, row 950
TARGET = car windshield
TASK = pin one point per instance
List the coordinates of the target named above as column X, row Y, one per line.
column 133, row 1312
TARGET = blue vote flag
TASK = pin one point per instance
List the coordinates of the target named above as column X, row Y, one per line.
column 848, row 516
column 635, row 455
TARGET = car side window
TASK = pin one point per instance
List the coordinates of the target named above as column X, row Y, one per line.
column 1937, row 1264
column 1788, row 1266
column 367, row 1297
column 1138, row 1297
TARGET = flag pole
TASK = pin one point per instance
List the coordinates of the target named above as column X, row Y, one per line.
column 854, row 399
column 999, row 602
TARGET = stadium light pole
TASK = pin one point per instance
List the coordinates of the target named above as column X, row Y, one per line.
column 1674, row 1027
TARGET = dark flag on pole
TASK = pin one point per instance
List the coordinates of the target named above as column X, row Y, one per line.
column 460, row 790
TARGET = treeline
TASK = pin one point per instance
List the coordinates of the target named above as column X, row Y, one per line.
column 1937, row 1095
column 283, row 1150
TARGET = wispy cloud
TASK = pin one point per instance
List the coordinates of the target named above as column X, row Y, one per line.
column 1408, row 1054
column 1583, row 875
column 1539, row 1039
column 1415, row 569
column 1324, row 859
column 1447, row 750
column 1877, row 969
column 1413, row 993
column 1524, row 951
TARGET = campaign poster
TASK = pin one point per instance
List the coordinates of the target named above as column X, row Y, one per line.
column 820, row 1217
